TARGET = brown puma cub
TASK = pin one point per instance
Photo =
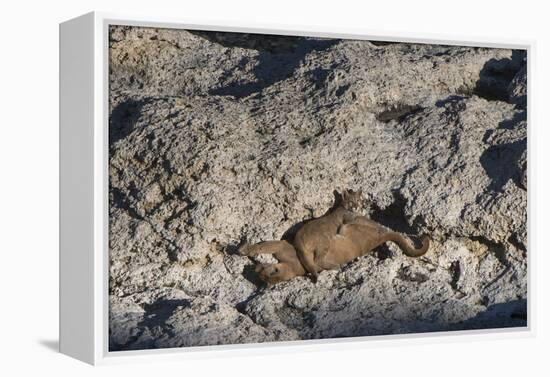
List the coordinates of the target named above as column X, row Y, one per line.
column 327, row 242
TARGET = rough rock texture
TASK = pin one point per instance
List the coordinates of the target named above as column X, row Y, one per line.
column 217, row 138
column 517, row 90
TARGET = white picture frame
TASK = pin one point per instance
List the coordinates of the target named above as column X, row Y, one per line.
column 84, row 191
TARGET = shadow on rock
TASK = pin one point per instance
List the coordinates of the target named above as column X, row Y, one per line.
column 153, row 321
column 123, row 119
column 497, row 74
column 504, row 315
column 505, row 161
column 159, row 311
column 278, row 58
column 393, row 216
column 250, row 274
column 275, row 44
column 510, row 124
column 500, row 163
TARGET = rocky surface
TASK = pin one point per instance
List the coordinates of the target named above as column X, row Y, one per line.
column 218, row 138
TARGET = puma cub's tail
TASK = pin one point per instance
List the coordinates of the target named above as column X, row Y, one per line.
column 404, row 245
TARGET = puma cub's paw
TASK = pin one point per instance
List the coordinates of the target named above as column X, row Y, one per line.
column 244, row 249
column 314, row 276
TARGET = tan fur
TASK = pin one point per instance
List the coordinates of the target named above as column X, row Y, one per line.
column 288, row 267
column 327, row 242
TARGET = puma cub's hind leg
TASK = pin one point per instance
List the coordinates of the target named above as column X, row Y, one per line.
column 307, row 259
column 352, row 219
column 326, row 264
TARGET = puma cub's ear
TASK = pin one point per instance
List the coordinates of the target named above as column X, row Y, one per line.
column 344, row 195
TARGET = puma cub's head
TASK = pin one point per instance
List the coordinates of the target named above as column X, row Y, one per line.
column 275, row 273
column 352, row 200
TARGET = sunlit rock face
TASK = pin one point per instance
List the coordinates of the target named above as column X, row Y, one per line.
column 218, row 138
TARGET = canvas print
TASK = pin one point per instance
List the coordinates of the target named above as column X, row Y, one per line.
column 269, row 188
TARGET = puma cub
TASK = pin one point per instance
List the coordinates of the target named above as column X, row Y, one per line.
column 327, row 242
